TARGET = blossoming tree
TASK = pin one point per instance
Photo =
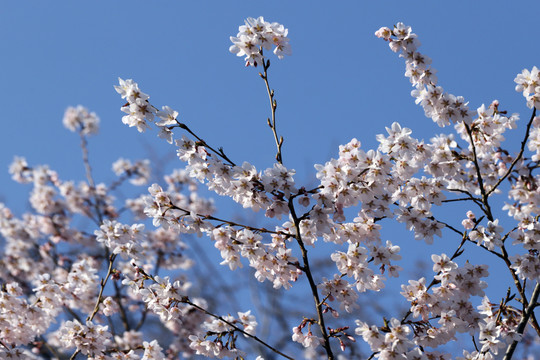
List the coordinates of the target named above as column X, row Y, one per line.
column 68, row 292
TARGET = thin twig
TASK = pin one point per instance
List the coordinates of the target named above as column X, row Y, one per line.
column 273, row 107
column 459, row 199
column 90, row 179
column 103, row 283
column 218, row 152
column 518, row 157
column 186, row 300
column 232, row 223
column 74, row 354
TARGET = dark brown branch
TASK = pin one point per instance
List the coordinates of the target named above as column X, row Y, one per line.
column 218, row 152
column 487, row 208
column 186, row 300
column 307, row 270
column 527, row 314
column 232, row 223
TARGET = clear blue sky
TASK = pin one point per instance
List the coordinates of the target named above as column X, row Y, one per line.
column 341, row 82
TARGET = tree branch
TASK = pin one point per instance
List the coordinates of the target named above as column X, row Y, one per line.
column 518, row 157
column 273, row 107
column 312, row 284
column 186, row 300
column 529, row 311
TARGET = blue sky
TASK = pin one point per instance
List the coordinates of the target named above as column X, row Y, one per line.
column 341, row 81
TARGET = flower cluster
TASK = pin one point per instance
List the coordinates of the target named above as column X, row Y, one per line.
column 449, row 303
column 256, row 35
column 139, row 110
column 222, row 328
column 89, row 339
column 139, row 172
column 528, row 83
column 272, row 261
column 438, row 105
column 80, row 119
column 489, row 236
column 122, row 239
column 49, row 265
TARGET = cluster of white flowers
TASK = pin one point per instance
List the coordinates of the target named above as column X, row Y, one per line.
column 43, row 273
column 89, row 339
column 80, row 119
column 257, row 35
column 272, row 261
column 160, row 295
column 139, row 110
column 121, row 239
column 138, row 173
column 449, row 302
column 489, row 236
column 221, row 329
column 528, row 83
column 20, row 320
column 438, row 105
